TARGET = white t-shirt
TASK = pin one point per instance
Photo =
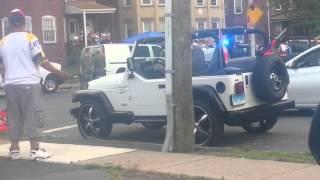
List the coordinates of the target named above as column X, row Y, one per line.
column 17, row 50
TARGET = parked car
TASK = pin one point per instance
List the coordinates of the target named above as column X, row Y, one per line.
column 49, row 81
column 304, row 72
column 107, row 59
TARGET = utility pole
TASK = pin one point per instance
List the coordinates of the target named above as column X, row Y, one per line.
column 179, row 136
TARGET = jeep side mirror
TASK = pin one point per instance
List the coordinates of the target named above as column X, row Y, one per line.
column 290, row 65
column 314, row 136
column 130, row 66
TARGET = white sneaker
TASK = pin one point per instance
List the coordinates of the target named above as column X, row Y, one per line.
column 14, row 155
column 39, row 154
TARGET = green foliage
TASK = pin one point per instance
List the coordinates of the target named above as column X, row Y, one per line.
column 303, row 15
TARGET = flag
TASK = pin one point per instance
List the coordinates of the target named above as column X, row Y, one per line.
column 223, row 41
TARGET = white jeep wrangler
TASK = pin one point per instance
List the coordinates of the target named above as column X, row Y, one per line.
column 247, row 92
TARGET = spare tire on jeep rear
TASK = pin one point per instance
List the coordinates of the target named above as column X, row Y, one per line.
column 270, row 78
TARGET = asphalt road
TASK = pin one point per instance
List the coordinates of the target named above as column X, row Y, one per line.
column 289, row 135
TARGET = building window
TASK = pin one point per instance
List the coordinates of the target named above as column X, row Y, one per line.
column 161, row 24
column 201, row 24
column 238, row 9
column 5, row 26
column 199, row 2
column 226, row 8
column 146, row 2
column 128, row 30
column 162, row 2
column 215, row 24
column 278, row 5
column 214, row 3
column 239, row 38
column 147, row 25
column 28, row 24
column 127, row 3
column 49, row 29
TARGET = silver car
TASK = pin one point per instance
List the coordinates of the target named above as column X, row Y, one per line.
column 304, row 72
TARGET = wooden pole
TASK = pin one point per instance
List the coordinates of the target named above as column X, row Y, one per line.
column 180, row 137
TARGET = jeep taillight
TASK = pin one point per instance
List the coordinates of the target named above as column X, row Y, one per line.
column 239, row 88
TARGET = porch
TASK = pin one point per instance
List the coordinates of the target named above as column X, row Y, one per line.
column 87, row 17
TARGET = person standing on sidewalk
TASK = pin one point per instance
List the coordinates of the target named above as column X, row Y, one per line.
column 20, row 57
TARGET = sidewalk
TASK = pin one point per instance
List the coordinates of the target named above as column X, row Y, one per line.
column 178, row 164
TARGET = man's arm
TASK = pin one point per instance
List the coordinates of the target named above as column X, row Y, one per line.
column 39, row 60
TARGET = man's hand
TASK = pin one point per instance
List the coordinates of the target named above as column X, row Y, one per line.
column 62, row 76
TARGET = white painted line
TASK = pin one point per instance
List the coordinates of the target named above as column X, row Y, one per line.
column 59, row 129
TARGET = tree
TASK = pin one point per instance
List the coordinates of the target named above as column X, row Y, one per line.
column 302, row 15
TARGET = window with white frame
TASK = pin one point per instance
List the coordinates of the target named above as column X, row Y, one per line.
column 162, row 2
column 278, row 5
column 5, row 26
column 28, row 24
column 147, row 25
column 128, row 30
column 199, row 2
column 146, row 2
column 238, row 9
column 49, row 29
column 127, row 3
column 214, row 3
column 201, row 24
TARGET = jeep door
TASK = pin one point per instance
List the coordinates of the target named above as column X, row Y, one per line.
column 147, row 87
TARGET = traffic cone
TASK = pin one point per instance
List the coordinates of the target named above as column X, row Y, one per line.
column 3, row 120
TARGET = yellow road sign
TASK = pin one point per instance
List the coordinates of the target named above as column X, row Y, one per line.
column 254, row 14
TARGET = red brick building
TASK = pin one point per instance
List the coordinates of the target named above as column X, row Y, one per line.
column 45, row 19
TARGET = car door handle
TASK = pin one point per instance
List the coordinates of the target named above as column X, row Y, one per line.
column 162, row 86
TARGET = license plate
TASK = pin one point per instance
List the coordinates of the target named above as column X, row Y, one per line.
column 238, row 99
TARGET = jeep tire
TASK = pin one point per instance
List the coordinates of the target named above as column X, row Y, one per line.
column 209, row 126
column 261, row 126
column 270, row 79
column 93, row 121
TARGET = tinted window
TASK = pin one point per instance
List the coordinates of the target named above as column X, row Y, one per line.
column 309, row 60
column 157, row 51
column 142, row 51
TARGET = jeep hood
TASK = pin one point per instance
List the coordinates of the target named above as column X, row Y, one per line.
column 109, row 82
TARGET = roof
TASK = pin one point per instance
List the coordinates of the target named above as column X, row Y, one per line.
column 91, row 7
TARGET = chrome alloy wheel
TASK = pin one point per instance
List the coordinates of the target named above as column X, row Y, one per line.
column 203, row 126
column 90, row 122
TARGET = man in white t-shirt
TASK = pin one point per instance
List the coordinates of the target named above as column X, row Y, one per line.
column 20, row 57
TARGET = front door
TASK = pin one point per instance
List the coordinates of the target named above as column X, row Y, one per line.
column 304, row 85
column 147, row 87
